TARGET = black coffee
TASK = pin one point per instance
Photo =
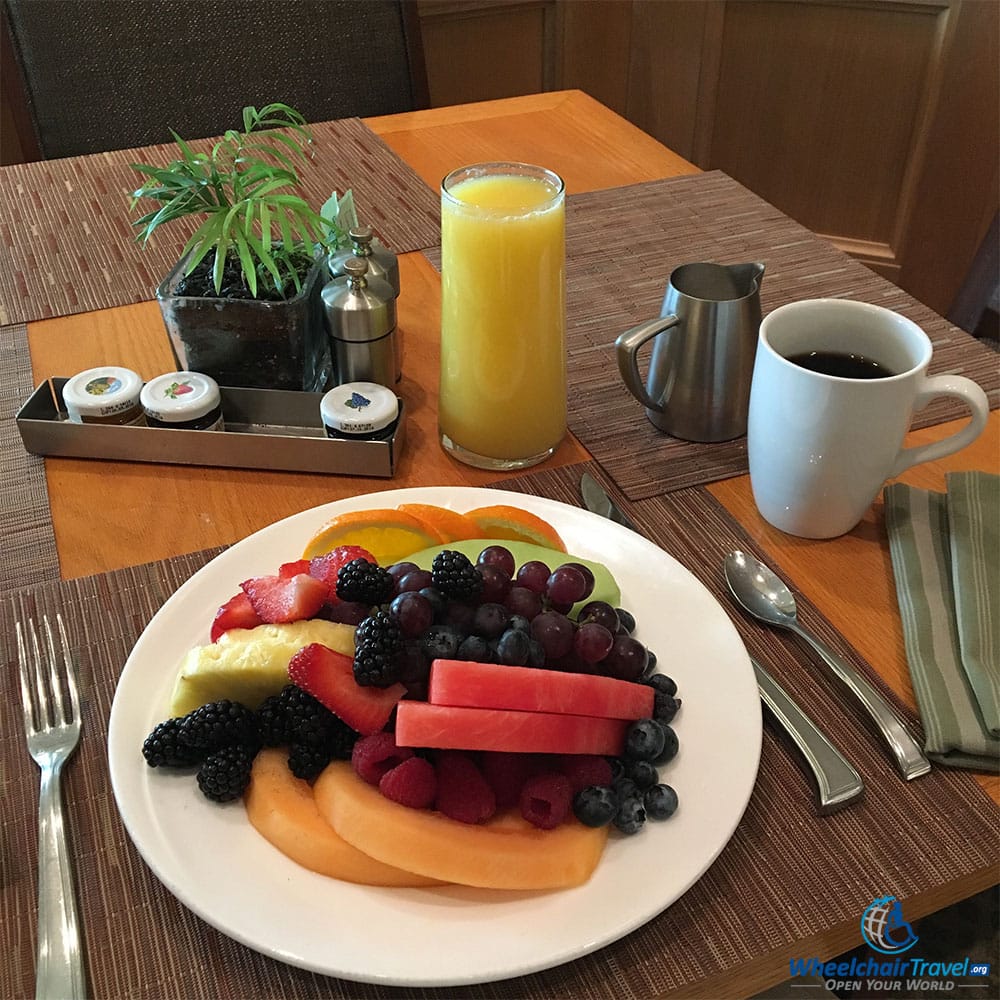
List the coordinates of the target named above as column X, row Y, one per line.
column 841, row 365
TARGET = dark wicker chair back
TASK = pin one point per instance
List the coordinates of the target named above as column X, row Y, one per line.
column 111, row 74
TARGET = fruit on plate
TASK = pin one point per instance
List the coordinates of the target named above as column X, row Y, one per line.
column 449, row 524
column 283, row 810
column 387, row 534
column 506, row 852
column 605, row 586
column 248, row 665
column 526, row 689
column 328, row 676
column 419, row 724
column 509, row 522
column 289, row 598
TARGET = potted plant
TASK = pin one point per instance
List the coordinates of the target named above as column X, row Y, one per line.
column 243, row 302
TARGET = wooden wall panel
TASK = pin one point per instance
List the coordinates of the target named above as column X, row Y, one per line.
column 593, row 50
column 819, row 108
column 481, row 50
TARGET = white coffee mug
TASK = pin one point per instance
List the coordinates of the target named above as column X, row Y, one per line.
column 820, row 446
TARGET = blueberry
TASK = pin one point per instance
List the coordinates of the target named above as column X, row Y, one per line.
column 625, row 788
column 441, row 642
column 670, row 746
column 438, row 601
column 626, row 620
column 514, row 648
column 617, row 768
column 665, row 707
column 536, row 654
column 519, row 623
column 631, row 815
column 650, row 664
column 642, row 772
column 662, row 683
column 644, row 740
column 595, row 805
column 660, row 802
column 490, row 619
column 475, row 648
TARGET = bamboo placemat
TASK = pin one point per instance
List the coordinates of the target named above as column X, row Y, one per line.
column 785, row 876
column 622, row 245
column 70, row 247
column 27, row 542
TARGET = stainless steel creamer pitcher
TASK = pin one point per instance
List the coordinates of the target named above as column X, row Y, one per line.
column 698, row 385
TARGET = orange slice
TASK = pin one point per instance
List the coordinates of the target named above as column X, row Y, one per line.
column 389, row 535
column 504, row 521
column 453, row 526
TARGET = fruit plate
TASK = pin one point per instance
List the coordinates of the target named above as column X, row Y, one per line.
column 215, row 863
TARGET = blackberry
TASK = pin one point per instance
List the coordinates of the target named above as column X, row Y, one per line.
column 455, row 576
column 365, row 582
column 225, row 774
column 306, row 761
column 306, row 722
column 378, row 648
column 220, row 724
column 272, row 720
column 163, row 747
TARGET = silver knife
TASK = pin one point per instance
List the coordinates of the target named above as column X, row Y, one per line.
column 838, row 784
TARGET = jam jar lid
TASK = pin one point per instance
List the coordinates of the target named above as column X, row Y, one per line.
column 180, row 396
column 359, row 408
column 101, row 392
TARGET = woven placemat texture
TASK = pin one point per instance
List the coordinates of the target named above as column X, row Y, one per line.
column 786, row 875
column 70, row 247
column 622, row 245
column 27, row 542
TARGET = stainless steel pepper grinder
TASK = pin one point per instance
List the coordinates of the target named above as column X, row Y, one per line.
column 361, row 320
column 382, row 263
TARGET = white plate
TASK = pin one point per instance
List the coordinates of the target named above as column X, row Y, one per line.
column 216, row 864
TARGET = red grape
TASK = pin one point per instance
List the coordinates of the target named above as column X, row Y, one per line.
column 497, row 555
column 534, row 575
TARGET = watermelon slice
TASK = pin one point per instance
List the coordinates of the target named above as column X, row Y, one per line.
column 419, row 724
column 492, row 685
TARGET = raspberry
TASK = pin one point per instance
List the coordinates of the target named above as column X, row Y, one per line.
column 374, row 755
column 584, row 770
column 226, row 773
column 378, row 647
column 164, row 748
column 546, row 799
column 462, row 791
column 507, row 774
column 365, row 582
column 454, row 575
column 219, row 724
column 411, row 783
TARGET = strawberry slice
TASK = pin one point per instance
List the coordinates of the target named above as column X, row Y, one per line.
column 327, row 566
column 329, row 677
column 237, row 612
column 285, row 599
column 289, row 569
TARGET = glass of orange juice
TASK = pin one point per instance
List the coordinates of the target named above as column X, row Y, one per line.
column 502, row 400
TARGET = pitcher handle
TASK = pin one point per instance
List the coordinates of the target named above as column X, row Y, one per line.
column 627, row 349
column 958, row 387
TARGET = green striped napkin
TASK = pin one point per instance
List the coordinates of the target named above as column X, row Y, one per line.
column 945, row 550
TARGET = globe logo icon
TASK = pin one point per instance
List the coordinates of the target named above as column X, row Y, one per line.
column 883, row 926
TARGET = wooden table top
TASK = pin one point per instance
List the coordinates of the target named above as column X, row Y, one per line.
column 162, row 511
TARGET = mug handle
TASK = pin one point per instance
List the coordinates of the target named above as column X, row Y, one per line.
column 627, row 349
column 960, row 388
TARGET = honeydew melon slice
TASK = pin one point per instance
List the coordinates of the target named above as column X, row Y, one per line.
column 605, row 586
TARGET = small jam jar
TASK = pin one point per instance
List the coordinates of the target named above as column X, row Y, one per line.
column 187, row 401
column 106, row 395
column 360, row 411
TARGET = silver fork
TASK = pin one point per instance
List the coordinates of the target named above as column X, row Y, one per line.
column 52, row 727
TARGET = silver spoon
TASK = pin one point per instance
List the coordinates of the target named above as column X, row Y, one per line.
column 759, row 591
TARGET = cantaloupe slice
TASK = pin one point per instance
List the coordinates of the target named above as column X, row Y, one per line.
column 282, row 809
column 505, row 853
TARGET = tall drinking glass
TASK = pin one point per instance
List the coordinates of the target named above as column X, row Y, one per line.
column 503, row 319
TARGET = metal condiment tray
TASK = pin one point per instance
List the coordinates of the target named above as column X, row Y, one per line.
column 264, row 429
